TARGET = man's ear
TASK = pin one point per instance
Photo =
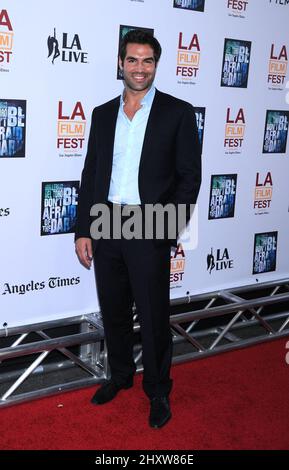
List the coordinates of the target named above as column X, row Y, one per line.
column 120, row 63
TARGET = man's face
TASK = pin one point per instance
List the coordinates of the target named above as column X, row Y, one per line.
column 139, row 67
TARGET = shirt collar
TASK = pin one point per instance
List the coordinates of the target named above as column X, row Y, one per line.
column 147, row 99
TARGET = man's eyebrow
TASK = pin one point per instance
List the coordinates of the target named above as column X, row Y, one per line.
column 135, row 58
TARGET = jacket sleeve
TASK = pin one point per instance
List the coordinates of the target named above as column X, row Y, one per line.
column 187, row 165
column 86, row 191
column 187, row 160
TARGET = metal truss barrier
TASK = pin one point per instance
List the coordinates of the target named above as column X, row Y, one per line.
column 202, row 325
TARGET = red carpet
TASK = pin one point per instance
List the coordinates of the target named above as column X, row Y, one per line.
column 236, row 400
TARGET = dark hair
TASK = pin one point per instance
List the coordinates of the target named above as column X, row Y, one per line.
column 138, row 36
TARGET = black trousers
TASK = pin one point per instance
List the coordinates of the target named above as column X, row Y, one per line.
column 136, row 270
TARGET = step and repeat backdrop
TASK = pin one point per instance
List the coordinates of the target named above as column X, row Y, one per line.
column 58, row 60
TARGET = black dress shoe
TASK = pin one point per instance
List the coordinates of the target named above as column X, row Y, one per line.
column 108, row 391
column 160, row 412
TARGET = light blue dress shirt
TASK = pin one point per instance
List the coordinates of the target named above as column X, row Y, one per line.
column 128, row 143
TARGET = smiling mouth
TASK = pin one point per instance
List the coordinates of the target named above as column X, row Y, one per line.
column 139, row 78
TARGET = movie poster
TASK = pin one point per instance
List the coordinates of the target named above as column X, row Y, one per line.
column 222, row 196
column 276, row 132
column 59, row 207
column 12, row 128
column 196, row 5
column 200, row 118
column 265, row 252
column 236, row 61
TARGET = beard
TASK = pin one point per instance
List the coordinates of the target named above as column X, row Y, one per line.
column 134, row 85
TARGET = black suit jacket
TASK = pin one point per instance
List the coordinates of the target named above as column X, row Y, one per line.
column 170, row 164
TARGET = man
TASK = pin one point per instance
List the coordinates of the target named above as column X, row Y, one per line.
column 143, row 149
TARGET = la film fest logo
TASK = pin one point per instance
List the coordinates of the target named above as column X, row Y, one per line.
column 234, row 131
column 263, row 193
column 200, row 113
column 6, row 39
column 70, row 129
column 67, row 48
column 219, row 260
column 188, row 58
column 278, row 63
column 222, row 196
column 265, row 252
column 178, row 261
column 12, row 128
column 276, row 132
column 237, row 8
column 195, row 5
column 59, row 207
column 236, row 62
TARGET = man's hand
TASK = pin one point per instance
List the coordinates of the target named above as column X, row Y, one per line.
column 83, row 248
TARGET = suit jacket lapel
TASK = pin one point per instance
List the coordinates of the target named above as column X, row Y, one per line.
column 151, row 125
column 149, row 133
column 108, row 127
